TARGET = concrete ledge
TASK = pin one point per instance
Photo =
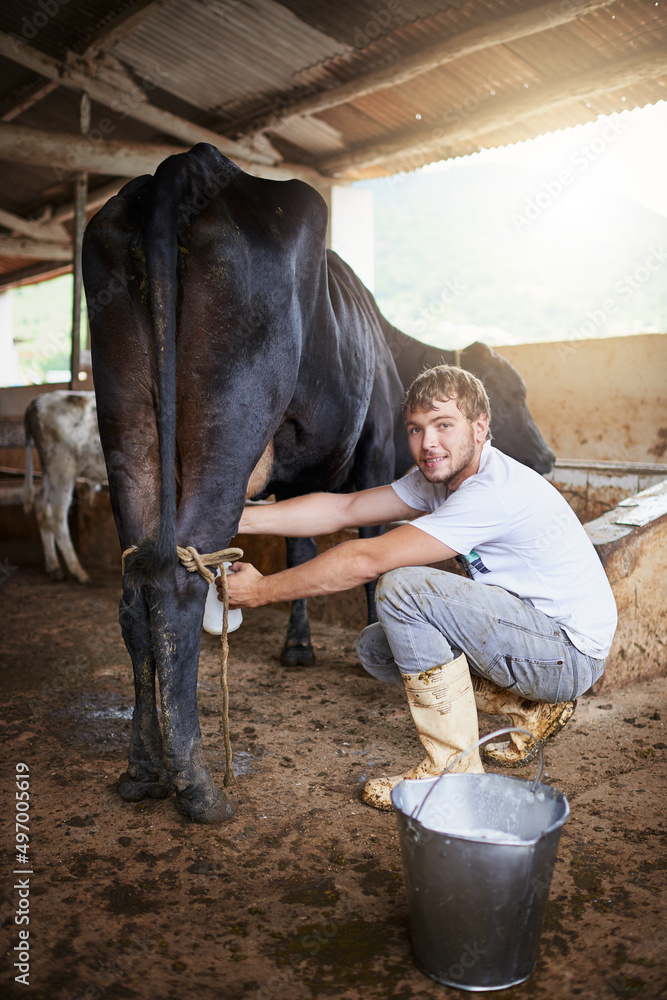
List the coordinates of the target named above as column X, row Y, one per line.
column 592, row 488
column 635, row 561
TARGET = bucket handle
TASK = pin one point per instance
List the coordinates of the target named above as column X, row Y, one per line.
column 485, row 739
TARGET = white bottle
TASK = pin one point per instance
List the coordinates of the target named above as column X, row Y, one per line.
column 213, row 611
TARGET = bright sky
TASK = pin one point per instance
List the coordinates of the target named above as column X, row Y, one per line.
column 625, row 153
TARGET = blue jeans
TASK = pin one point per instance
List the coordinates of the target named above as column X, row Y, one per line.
column 428, row 616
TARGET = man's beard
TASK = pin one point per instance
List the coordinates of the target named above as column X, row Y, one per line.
column 462, row 462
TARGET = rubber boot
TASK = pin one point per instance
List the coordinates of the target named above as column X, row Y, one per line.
column 442, row 705
column 541, row 718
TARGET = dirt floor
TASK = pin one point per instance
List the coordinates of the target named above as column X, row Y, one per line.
column 301, row 893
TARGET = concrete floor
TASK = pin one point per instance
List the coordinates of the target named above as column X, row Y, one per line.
column 301, row 893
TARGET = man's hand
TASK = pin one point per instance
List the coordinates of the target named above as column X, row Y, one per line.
column 243, row 585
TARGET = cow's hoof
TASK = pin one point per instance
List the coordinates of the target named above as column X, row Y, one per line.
column 57, row 575
column 297, row 653
column 135, row 789
column 204, row 803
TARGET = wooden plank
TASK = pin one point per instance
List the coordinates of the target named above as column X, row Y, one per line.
column 5, row 470
column 643, row 507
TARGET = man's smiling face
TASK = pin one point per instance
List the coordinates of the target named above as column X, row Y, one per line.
column 444, row 443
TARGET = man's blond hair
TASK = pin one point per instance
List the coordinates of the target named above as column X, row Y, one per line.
column 445, row 382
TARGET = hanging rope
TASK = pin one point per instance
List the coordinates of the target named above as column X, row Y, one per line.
column 195, row 562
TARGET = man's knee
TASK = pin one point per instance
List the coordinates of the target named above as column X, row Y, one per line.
column 385, row 588
column 372, row 645
column 375, row 655
column 398, row 584
column 398, row 591
column 364, row 644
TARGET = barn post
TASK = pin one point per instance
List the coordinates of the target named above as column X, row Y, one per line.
column 350, row 232
column 80, row 196
column 80, row 199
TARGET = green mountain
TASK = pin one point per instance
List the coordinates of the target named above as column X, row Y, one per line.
column 509, row 255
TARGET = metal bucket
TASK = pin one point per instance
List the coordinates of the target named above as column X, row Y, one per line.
column 478, row 855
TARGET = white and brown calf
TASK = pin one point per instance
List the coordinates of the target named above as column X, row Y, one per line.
column 62, row 426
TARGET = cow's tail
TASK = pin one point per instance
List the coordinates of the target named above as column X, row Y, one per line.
column 28, row 489
column 161, row 243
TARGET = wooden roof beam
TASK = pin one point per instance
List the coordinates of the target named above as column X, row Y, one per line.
column 95, row 198
column 499, row 31
column 496, row 113
column 35, row 230
column 67, row 152
column 13, row 247
column 31, row 273
column 133, row 104
column 30, row 97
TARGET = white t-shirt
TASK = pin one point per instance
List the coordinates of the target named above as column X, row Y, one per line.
column 516, row 531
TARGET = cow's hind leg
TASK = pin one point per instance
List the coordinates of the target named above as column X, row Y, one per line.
column 62, row 493
column 370, row 602
column 146, row 774
column 298, row 651
column 51, row 564
column 370, row 587
column 176, row 624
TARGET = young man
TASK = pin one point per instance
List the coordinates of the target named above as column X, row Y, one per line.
column 533, row 619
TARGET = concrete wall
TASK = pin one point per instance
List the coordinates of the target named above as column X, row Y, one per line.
column 634, row 559
column 604, row 400
column 590, row 493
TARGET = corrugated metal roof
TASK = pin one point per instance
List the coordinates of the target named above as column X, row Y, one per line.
column 58, row 27
column 237, row 68
column 216, row 55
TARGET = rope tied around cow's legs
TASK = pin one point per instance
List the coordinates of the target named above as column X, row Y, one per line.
column 195, row 562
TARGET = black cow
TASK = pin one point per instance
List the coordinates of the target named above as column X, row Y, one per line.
column 219, row 335
column 232, row 357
